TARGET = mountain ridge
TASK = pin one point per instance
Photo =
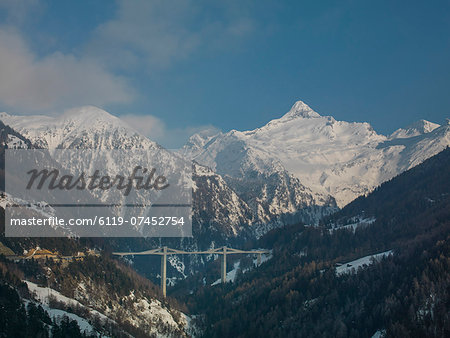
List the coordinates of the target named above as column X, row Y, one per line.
column 297, row 163
column 335, row 158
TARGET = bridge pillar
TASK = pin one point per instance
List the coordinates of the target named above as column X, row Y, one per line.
column 258, row 260
column 224, row 265
column 163, row 271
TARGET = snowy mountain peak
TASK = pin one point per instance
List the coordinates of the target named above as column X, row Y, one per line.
column 90, row 117
column 300, row 109
column 328, row 157
column 88, row 111
column 417, row 128
column 85, row 127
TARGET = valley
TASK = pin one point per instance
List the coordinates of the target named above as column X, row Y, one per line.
column 340, row 229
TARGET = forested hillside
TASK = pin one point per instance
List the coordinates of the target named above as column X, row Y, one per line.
column 106, row 296
column 299, row 293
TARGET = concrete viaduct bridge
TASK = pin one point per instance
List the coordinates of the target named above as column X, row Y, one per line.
column 164, row 251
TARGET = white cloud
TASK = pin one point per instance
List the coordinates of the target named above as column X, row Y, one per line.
column 142, row 36
column 156, row 130
column 54, row 81
column 154, row 34
column 148, row 125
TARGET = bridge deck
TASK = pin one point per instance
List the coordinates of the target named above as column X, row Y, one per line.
column 164, row 251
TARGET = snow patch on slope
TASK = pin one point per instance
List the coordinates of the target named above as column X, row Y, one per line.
column 43, row 294
column 231, row 275
column 353, row 266
column 147, row 314
column 356, row 222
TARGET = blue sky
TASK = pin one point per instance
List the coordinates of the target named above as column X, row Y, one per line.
column 172, row 68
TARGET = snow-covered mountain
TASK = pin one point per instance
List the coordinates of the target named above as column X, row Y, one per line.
column 86, row 127
column 298, row 167
column 325, row 158
column 211, row 193
column 417, row 128
column 261, row 181
column 217, row 209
